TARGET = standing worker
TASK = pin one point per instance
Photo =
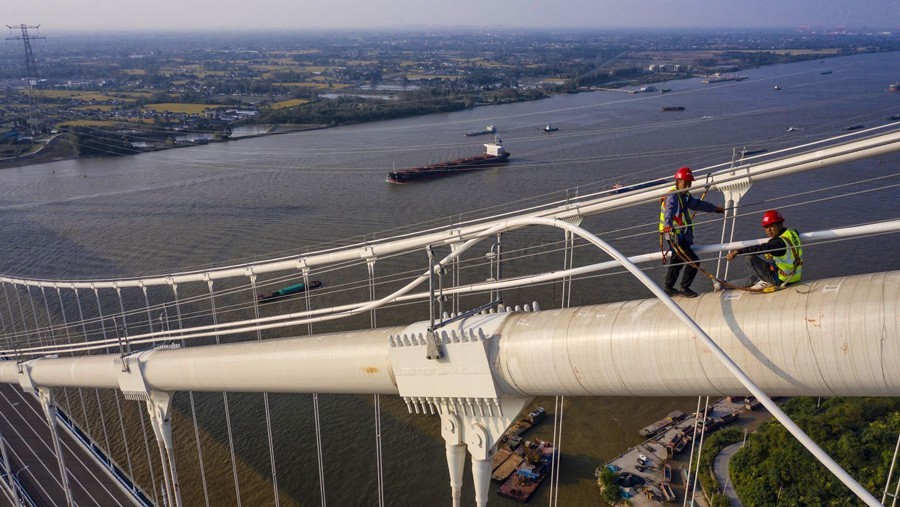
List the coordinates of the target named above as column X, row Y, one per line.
column 783, row 256
column 676, row 222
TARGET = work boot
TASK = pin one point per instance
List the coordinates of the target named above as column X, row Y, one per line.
column 672, row 291
column 688, row 293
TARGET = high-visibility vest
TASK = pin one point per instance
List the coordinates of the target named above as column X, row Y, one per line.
column 790, row 264
column 682, row 220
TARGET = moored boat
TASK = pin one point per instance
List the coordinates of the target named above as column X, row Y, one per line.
column 288, row 291
column 494, row 155
column 550, row 128
column 536, row 466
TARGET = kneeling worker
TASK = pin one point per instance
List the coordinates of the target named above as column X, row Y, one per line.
column 676, row 221
column 783, row 256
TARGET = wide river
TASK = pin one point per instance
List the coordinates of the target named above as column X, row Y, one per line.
column 182, row 209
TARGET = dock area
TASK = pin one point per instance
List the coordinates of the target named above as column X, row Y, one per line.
column 656, row 470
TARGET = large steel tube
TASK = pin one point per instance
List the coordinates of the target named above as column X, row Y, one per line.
column 832, row 337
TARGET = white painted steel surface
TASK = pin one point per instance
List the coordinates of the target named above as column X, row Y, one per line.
column 833, row 337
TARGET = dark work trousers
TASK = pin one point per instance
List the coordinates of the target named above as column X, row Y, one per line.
column 763, row 269
column 677, row 263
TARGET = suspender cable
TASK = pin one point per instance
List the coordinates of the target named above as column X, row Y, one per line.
column 12, row 320
column 266, row 397
column 699, row 451
column 887, row 483
column 568, row 260
column 693, row 442
column 22, row 314
column 319, row 448
column 191, row 398
column 316, row 421
column 53, row 340
column 378, row 453
column 379, row 469
column 237, row 487
column 87, row 421
column 140, row 414
column 99, row 403
column 96, row 391
column 62, row 311
column 122, row 352
column 37, row 325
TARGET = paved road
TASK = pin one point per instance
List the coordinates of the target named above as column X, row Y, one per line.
column 720, row 466
column 32, row 458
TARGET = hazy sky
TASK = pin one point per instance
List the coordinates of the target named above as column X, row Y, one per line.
column 190, row 15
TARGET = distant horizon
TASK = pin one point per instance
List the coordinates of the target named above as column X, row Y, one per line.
column 887, row 31
column 280, row 15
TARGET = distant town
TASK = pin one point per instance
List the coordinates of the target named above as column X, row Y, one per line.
column 73, row 95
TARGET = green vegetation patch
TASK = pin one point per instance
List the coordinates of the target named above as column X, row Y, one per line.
column 859, row 433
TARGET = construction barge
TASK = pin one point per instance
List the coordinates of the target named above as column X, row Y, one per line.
column 522, row 465
column 494, row 155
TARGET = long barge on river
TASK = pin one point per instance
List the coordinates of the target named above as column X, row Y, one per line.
column 494, row 155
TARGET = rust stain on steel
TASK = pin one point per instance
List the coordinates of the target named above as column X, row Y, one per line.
column 371, row 370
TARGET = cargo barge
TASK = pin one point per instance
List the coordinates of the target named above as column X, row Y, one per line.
column 287, row 291
column 722, row 78
column 494, row 155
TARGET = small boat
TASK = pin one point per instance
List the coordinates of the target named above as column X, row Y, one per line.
column 673, row 108
column 287, row 291
column 855, row 127
column 490, row 129
column 776, row 88
column 894, row 87
column 894, row 117
column 648, row 89
column 550, row 128
column 825, row 72
column 665, row 90
column 747, row 153
column 794, row 129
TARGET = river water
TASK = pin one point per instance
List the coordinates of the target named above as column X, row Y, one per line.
column 187, row 208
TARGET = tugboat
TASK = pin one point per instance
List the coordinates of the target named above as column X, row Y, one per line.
column 494, row 155
column 550, row 128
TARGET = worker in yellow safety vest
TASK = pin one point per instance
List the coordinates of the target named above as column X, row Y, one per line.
column 677, row 224
column 782, row 260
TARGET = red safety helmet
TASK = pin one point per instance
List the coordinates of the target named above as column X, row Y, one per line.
column 684, row 174
column 771, row 217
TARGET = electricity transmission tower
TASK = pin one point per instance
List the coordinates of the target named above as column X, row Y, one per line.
column 30, row 70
